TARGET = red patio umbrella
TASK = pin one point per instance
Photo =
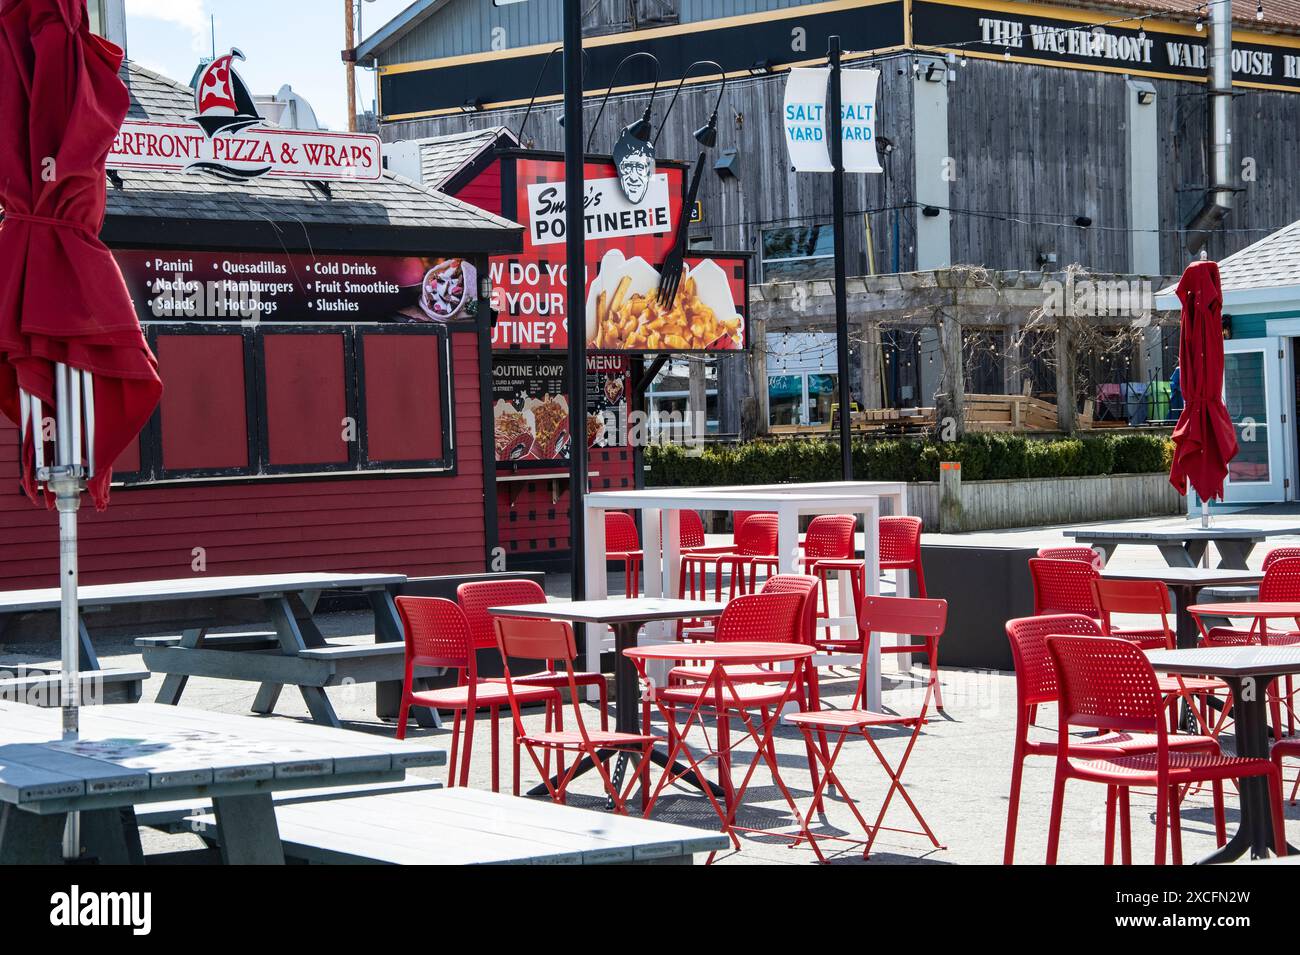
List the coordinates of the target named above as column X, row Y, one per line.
column 1204, row 440
column 69, row 337
column 62, row 297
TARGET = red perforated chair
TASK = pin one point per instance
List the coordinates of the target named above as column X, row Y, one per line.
column 623, row 546
column 1281, row 583
column 800, row 584
column 828, row 548
column 1151, row 598
column 477, row 596
column 1074, row 552
column 438, row 635
column 1107, row 684
column 1036, row 685
column 697, row 558
column 900, row 548
column 1063, row 586
column 913, row 615
column 552, row 640
column 765, row 618
column 756, row 546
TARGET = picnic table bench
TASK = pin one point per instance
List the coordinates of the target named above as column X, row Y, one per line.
column 136, row 755
column 292, row 653
column 430, row 825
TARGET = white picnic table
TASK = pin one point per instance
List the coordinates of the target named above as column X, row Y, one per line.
column 146, row 753
column 790, row 502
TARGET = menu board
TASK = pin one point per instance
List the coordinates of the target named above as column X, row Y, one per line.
column 626, row 247
column 530, row 407
column 253, row 287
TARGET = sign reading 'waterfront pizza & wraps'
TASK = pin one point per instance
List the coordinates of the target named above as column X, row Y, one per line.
column 227, row 137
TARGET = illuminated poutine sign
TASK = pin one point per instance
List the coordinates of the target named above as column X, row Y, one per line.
column 228, row 138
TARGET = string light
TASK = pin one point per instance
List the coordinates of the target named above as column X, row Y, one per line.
column 1259, row 9
column 1006, row 52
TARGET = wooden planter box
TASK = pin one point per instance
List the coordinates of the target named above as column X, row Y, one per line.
column 1031, row 502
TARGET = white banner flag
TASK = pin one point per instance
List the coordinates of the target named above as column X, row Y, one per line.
column 805, row 119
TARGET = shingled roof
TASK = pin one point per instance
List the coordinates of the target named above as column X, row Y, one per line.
column 392, row 213
column 1280, row 16
column 1271, row 262
column 442, row 157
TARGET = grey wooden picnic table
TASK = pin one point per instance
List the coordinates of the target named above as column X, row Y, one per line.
column 132, row 755
column 1183, row 542
column 435, row 826
column 295, row 653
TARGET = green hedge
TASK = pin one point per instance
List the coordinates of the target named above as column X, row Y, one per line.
column 983, row 457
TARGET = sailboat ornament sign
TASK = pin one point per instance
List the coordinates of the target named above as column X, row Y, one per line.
column 227, row 137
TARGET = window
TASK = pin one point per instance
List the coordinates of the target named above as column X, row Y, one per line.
column 281, row 400
column 803, row 253
column 96, row 10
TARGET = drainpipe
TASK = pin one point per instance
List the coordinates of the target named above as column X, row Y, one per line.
column 1218, row 202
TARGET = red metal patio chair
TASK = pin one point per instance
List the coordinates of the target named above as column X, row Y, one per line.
column 623, row 546
column 1074, row 552
column 762, row 617
column 1107, row 684
column 1036, row 685
column 1151, row 598
column 476, row 597
column 915, row 615
column 552, row 640
column 438, row 635
column 1063, row 586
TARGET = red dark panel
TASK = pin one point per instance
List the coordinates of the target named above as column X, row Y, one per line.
column 204, row 418
column 404, row 376
column 305, row 399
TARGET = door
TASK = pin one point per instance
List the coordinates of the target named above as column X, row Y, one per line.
column 1253, row 386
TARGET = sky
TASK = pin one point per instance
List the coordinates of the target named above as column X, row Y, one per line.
column 285, row 41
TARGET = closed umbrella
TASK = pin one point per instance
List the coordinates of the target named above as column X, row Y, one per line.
column 70, row 341
column 1204, row 440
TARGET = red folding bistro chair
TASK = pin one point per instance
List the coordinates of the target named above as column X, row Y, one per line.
column 1036, row 684
column 623, row 546
column 477, row 596
column 1063, row 586
column 1107, row 684
column 1074, row 552
column 552, row 640
column 915, row 615
column 438, row 635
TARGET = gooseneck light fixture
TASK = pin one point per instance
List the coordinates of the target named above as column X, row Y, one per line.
column 711, row 130
column 641, row 127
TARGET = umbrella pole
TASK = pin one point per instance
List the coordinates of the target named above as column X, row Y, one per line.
column 66, row 481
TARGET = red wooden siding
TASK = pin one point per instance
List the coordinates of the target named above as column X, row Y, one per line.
column 534, row 524
column 418, row 525
column 484, row 190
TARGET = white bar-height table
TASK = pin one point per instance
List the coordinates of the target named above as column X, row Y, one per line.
column 788, row 501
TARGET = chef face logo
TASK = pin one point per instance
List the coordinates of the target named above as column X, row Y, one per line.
column 635, row 162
